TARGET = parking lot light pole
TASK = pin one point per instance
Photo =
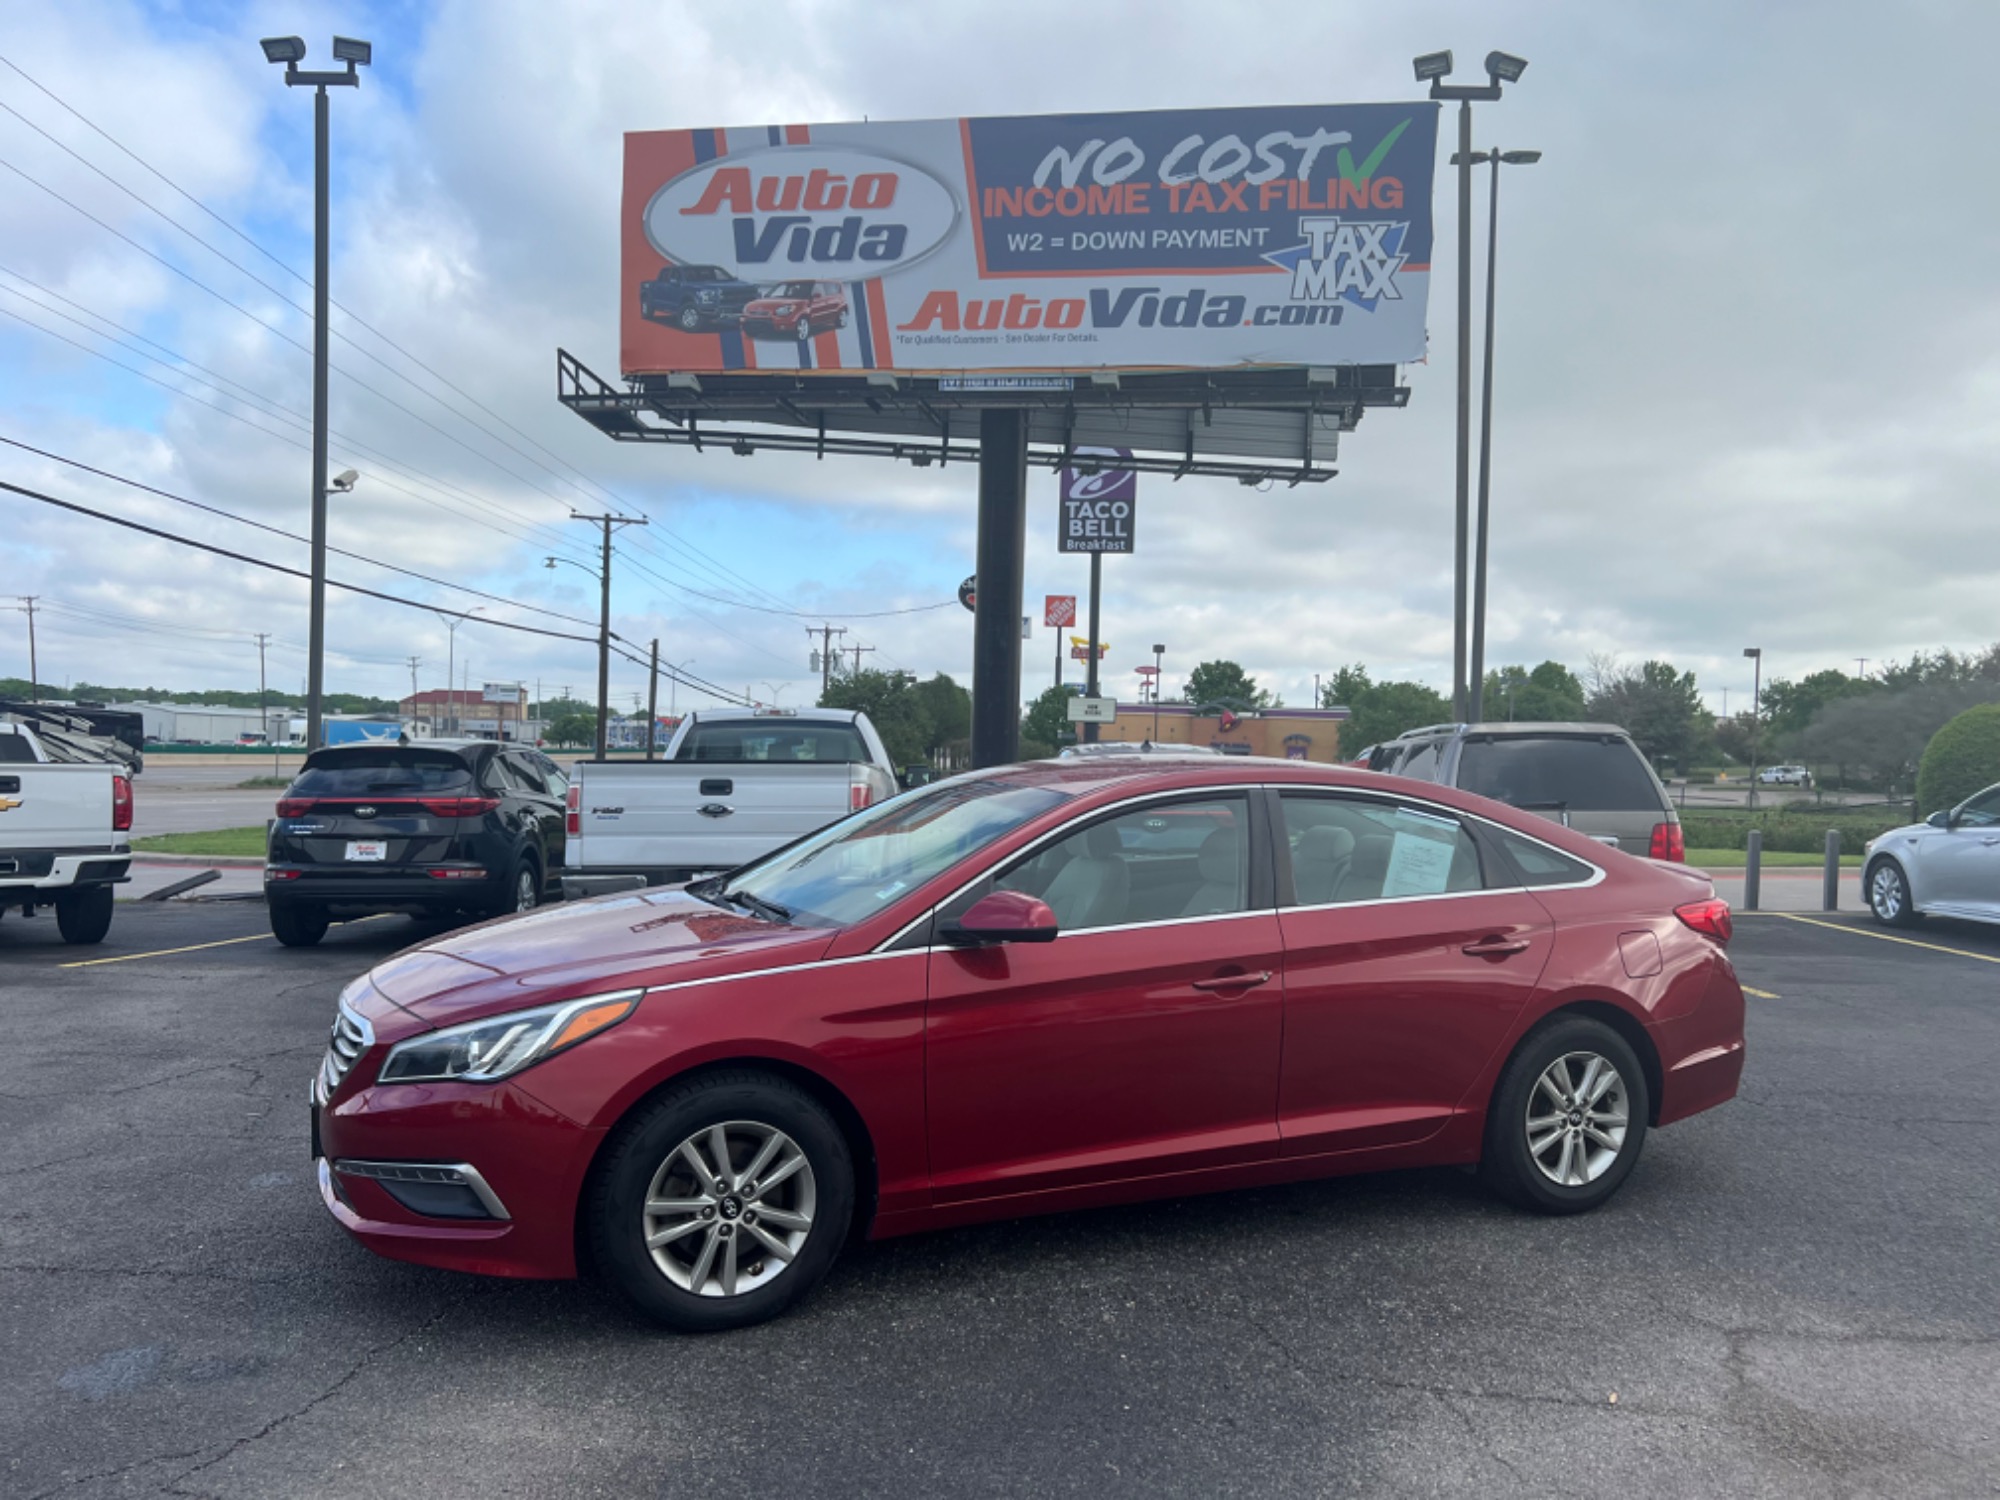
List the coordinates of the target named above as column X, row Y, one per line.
column 291, row 51
column 451, row 624
column 1159, row 656
column 1756, row 655
column 1433, row 68
column 1477, row 671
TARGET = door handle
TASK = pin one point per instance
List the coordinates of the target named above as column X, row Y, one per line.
column 1232, row 981
column 1495, row 947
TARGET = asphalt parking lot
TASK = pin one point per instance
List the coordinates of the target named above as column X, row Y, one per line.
column 1796, row 1294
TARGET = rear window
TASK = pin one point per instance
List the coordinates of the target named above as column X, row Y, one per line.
column 755, row 742
column 1559, row 773
column 385, row 773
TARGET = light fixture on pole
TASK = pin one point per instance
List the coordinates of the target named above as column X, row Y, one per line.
column 1476, row 674
column 1756, row 655
column 451, row 624
column 291, row 51
column 1433, row 68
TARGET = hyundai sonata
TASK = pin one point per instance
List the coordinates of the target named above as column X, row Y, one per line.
column 1044, row 987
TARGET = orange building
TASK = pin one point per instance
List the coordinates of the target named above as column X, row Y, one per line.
column 1286, row 733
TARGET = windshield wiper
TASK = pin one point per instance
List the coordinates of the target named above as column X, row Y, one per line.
column 769, row 910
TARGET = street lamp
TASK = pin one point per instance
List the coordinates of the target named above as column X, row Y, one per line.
column 1433, row 68
column 1159, row 655
column 673, row 686
column 1478, row 670
column 451, row 624
column 1756, row 654
column 291, row 51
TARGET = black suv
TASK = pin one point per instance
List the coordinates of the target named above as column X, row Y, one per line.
column 460, row 827
column 695, row 297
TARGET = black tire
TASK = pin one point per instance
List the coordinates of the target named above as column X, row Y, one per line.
column 1508, row 1165
column 84, row 916
column 1887, row 891
column 523, row 891
column 650, row 1138
column 298, row 926
column 690, row 319
column 843, row 318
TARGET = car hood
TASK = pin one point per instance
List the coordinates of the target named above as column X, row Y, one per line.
column 629, row 941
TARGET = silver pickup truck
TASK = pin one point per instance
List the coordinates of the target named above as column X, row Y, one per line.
column 64, row 835
column 735, row 784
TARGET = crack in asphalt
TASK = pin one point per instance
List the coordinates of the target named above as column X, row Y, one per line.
column 368, row 1357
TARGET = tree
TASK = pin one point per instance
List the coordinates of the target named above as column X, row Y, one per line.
column 1379, row 711
column 1732, row 737
column 949, row 707
column 1962, row 758
column 573, row 728
column 1045, row 726
column 893, row 705
column 1225, row 682
column 1788, row 708
column 1884, row 734
column 1550, row 693
column 1660, row 707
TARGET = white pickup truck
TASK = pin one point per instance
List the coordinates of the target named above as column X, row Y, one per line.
column 65, row 835
column 735, row 784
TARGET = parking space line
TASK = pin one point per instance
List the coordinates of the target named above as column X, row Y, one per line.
column 1759, row 994
column 1985, row 958
column 126, row 958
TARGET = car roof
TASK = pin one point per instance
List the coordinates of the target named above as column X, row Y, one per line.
column 1547, row 727
column 806, row 715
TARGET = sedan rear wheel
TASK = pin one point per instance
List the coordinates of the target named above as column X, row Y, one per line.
column 722, row 1202
column 1889, row 894
column 1568, row 1118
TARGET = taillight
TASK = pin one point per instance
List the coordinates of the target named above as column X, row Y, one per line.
column 294, row 807
column 573, row 811
column 458, row 807
column 121, row 804
column 859, row 795
column 1710, row 918
column 1669, row 843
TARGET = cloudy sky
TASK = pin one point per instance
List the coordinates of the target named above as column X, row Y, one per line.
column 1749, row 344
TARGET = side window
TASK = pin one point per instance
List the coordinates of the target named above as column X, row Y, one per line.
column 1420, row 761
column 496, row 776
column 552, row 774
column 1153, row 864
column 526, row 773
column 1538, row 863
column 1982, row 810
column 1346, row 849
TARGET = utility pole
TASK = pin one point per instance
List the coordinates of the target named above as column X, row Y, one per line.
column 826, row 633
column 263, row 706
column 608, row 522
column 653, row 701
column 34, row 672
column 1090, row 645
column 857, row 650
column 1862, row 663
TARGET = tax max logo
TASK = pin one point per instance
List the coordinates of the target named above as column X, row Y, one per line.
column 1351, row 260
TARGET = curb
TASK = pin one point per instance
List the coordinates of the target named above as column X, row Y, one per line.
column 210, row 861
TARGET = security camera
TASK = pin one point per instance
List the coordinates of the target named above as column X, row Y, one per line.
column 344, row 480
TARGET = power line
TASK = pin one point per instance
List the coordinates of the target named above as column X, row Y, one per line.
column 801, row 614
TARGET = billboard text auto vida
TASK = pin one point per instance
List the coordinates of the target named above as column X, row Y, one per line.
column 1279, row 235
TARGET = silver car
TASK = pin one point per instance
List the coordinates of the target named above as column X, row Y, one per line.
column 1946, row 866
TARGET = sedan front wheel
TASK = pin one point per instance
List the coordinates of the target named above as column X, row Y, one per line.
column 1889, row 894
column 722, row 1202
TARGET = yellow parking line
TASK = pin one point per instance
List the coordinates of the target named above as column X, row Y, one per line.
column 1985, row 958
column 126, row 958
column 1759, row 994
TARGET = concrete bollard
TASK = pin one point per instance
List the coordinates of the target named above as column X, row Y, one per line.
column 1830, row 891
column 1753, row 868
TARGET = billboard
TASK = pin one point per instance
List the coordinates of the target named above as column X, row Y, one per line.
column 1172, row 239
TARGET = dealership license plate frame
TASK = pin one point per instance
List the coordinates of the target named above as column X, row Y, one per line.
column 367, row 851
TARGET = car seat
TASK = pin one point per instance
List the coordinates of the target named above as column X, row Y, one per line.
column 1221, row 865
column 1362, row 880
column 1093, row 889
column 1319, row 859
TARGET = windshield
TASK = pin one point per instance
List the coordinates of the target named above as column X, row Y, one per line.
column 379, row 773
column 790, row 289
column 859, row 866
column 755, row 741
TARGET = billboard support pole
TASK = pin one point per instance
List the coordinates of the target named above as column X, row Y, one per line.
column 1090, row 647
column 653, row 701
column 996, row 617
column 1458, row 600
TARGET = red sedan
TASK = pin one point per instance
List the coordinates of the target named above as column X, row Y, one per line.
column 1044, row 987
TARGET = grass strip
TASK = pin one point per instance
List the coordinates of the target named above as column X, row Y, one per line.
column 213, row 842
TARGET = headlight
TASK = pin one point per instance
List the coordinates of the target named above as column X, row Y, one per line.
column 785, row 309
column 499, row 1046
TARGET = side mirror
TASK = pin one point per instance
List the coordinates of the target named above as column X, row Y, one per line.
column 1940, row 819
column 1003, row 917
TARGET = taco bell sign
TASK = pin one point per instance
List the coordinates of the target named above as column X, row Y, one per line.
column 1099, row 509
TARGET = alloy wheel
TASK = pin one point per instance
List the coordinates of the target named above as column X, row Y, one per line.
column 1577, row 1116
column 730, row 1209
column 524, row 889
column 1885, row 892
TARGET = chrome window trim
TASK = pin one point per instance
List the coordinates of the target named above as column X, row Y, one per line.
column 817, row 963
column 415, row 1171
column 1227, row 789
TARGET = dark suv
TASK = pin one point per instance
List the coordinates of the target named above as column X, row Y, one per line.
column 460, row 827
column 692, row 298
column 1590, row 777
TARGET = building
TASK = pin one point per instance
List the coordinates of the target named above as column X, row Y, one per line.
column 204, row 723
column 1286, row 733
column 495, row 712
